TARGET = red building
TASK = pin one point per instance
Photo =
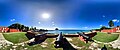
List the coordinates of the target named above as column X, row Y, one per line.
column 13, row 30
column 6, row 29
column 115, row 29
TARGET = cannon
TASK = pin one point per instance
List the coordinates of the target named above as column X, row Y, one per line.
column 30, row 35
column 59, row 41
column 84, row 37
column 39, row 38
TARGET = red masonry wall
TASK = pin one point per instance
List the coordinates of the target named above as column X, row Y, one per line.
column 14, row 30
column 4, row 29
column 110, row 30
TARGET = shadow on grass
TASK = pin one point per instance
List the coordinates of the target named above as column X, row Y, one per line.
column 67, row 45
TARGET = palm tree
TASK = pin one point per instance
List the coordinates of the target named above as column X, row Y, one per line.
column 111, row 23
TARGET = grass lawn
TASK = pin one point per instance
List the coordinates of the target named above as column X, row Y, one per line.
column 15, row 37
column 76, row 41
column 104, row 37
column 20, row 37
column 50, row 46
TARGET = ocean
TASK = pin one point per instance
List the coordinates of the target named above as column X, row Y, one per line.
column 66, row 31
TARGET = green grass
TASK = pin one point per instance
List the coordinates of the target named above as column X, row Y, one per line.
column 50, row 46
column 20, row 37
column 15, row 37
column 104, row 37
column 76, row 41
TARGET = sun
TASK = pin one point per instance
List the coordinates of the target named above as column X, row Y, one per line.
column 45, row 15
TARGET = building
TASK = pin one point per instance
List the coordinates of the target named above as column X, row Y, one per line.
column 13, row 30
column 6, row 29
column 118, row 29
column 115, row 29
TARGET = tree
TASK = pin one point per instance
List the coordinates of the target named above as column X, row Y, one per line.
column 31, row 28
column 19, row 26
column 26, row 29
column 111, row 23
column 103, row 27
column 118, row 26
column 15, row 26
column 22, row 27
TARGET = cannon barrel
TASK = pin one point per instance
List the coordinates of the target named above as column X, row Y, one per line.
column 60, row 37
column 84, row 36
column 39, row 38
column 59, row 41
column 30, row 35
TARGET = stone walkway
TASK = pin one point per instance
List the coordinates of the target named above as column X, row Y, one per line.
column 3, row 41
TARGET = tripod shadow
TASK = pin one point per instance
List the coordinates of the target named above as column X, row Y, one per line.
column 67, row 45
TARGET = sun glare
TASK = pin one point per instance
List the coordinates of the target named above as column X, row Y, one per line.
column 45, row 15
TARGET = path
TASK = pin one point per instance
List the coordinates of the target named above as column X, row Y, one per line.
column 116, row 43
column 3, row 41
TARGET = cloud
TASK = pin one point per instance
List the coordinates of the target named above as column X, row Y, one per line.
column 53, row 22
column 101, row 25
column 39, row 22
column 103, row 16
column 115, row 20
column 118, row 21
column 85, row 27
column 12, row 20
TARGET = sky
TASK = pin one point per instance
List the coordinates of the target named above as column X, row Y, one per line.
column 63, row 14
